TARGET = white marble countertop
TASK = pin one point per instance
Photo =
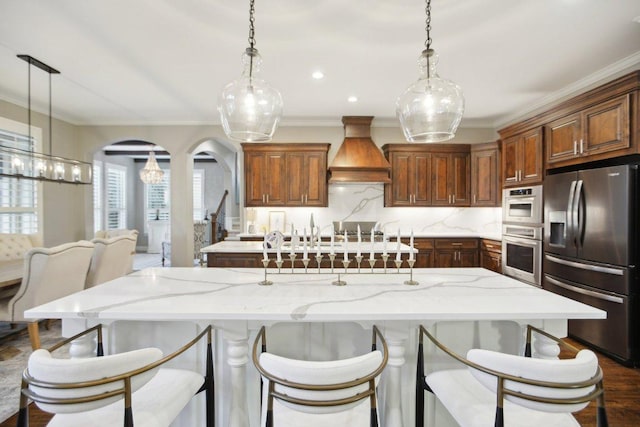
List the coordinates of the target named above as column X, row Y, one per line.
column 216, row 294
column 234, row 246
column 423, row 235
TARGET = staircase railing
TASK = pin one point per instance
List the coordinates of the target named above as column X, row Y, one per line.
column 218, row 232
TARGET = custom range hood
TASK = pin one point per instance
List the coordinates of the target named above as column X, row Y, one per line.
column 359, row 160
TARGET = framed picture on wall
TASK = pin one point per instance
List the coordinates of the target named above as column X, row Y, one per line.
column 276, row 221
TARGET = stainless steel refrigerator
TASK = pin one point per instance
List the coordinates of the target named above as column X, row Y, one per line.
column 590, row 252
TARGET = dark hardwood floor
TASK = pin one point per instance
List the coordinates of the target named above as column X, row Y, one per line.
column 622, row 397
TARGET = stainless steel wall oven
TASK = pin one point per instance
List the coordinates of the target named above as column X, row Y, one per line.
column 522, row 252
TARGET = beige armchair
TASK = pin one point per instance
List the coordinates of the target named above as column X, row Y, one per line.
column 107, row 234
column 49, row 274
column 112, row 258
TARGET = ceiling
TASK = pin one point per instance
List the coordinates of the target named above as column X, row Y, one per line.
column 165, row 61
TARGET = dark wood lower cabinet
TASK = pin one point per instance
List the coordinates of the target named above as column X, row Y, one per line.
column 491, row 255
column 456, row 253
column 439, row 253
column 254, row 260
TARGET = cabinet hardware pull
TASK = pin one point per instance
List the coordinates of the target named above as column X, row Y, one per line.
column 453, row 197
column 581, row 146
column 263, row 198
column 474, row 198
column 575, row 147
column 267, row 198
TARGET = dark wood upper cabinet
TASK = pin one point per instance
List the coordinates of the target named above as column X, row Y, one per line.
column 592, row 132
column 602, row 123
column 522, row 159
column 451, row 179
column 485, row 170
column 285, row 174
column 428, row 175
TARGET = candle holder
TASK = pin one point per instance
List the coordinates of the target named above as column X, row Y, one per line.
column 265, row 282
column 332, row 258
column 318, row 261
column 279, row 265
column 411, row 281
column 346, row 265
column 358, row 261
column 398, row 263
column 372, row 262
column 384, row 257
column 339, row 282
column 305, row 262
column 292, row 257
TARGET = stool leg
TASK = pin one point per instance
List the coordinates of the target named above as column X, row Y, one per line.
column 34, row 335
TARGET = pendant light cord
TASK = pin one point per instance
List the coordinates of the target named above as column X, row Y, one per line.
column 50, row 120
column 427, row 42
column 252, row 40
column 29, row 102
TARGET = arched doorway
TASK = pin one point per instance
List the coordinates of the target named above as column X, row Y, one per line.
column 121, row 200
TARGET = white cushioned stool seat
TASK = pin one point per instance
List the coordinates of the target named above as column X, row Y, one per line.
column 473, row 405
column 155, row 404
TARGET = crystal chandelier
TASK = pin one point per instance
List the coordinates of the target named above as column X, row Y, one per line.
column 430, row 109
column 151, row 173
column 249, row 107
column 29, row 164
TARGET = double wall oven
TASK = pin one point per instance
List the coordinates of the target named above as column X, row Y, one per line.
column 522, row 212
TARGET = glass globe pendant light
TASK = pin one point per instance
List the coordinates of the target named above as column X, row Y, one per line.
column 250, row 108
column 430, row 109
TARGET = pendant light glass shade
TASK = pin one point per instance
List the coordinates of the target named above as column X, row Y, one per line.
column 250, row 108
column 430, row 109
column 151, row 173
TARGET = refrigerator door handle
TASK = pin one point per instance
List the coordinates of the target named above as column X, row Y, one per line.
column 596, row 268
column 579, row 216
column 570, row 225
column 598, row 295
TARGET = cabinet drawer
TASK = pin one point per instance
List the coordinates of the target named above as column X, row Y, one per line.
column 456, row 243
column 419, row 243
column 491, row 245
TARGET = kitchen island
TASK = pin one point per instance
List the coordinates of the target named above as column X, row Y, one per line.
column 249, row 254
column 163, row 306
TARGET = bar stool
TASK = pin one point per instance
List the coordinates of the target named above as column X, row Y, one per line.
column 504, row 389
column 121, row 389
column 337, row 392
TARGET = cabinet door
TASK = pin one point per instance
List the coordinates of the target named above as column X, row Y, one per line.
column 255, row 166
column 316, row 179
column 484, row 178
column 421, row 179
column 400, row 191
column 441, row 169
column 562, row 138
column 445, row 258
column 531, row 168
column 296, row 179
column 606, row 127
column 510, row 155
column 468, row 258
column 459, row 179
column 274, row 180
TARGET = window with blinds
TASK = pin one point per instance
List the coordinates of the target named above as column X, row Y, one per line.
column 116, row 179
column 157, row 200
column 18, row 197
column 198, row 195
column 97, row 196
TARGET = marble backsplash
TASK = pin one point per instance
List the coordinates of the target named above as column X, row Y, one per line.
column 365, row 202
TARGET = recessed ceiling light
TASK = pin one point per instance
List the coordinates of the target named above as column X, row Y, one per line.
column 352, row 98
column 318, row 75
